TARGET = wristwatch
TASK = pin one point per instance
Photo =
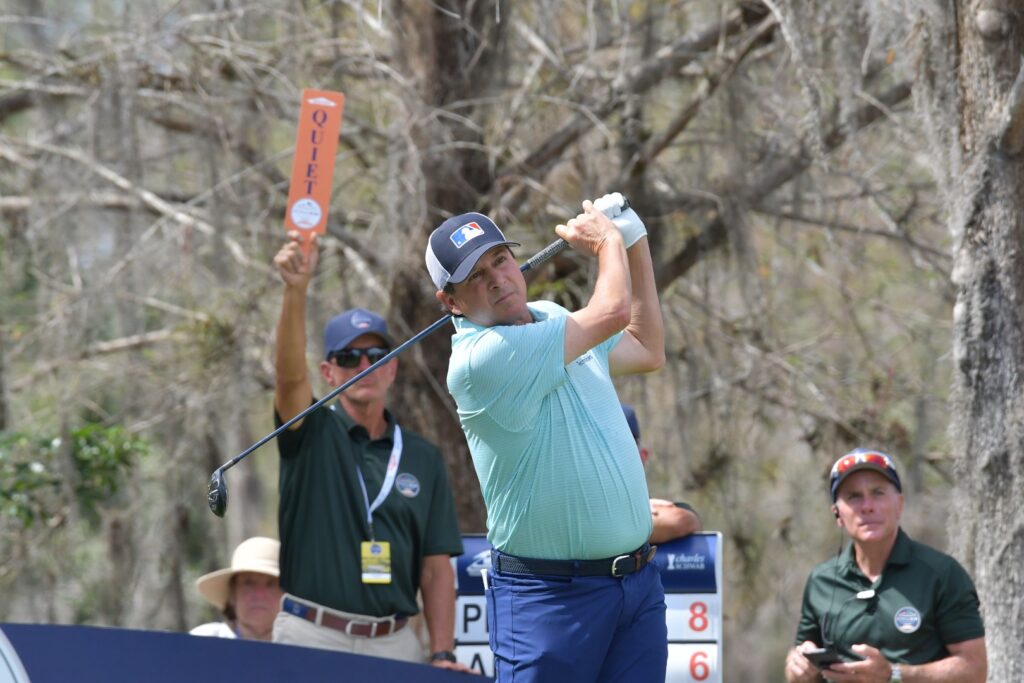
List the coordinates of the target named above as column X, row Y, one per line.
column 897, row 674
column 443, row 656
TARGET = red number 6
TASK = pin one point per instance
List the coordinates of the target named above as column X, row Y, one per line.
column 699, row 669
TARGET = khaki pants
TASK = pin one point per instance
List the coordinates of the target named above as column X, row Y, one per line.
column 402, row 645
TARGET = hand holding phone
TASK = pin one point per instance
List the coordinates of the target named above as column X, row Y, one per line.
column 823, row 656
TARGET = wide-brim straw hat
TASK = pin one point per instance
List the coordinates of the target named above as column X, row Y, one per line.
column 257, row 554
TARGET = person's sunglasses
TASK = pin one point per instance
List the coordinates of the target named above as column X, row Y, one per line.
column 877, row 459
column 349, row 358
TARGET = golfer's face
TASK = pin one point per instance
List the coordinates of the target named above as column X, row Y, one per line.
column 495, row 292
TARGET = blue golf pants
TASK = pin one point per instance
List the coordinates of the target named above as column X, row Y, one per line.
column 603, row 629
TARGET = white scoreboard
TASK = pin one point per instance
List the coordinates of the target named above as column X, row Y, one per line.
column 691, row 571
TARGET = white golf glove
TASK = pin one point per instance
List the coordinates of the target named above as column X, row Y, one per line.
column 625, row 219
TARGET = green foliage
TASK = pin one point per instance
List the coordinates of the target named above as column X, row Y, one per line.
column 32, row 477
column 28, row 481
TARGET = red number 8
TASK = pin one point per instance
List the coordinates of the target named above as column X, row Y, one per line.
column 698, row 616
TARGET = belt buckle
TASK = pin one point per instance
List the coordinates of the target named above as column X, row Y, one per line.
column 615, row 564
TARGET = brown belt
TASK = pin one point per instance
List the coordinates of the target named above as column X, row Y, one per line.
column 323, row 617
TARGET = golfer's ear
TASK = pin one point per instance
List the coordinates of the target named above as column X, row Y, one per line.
column 448, row 301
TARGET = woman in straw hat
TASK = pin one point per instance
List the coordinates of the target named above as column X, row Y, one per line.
column 247, row 593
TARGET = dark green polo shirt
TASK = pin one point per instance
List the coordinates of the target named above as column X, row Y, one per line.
column 322, row 513
column 923, row 602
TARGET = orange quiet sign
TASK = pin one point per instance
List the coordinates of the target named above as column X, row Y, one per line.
column 313, row 168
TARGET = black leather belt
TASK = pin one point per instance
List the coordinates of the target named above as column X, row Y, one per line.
column 620, row 565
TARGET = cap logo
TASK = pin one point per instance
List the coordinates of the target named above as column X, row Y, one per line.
column 361, row 320
column 907, row 619
column 466, row 233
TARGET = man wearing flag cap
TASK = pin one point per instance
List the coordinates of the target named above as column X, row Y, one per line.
column 572, row 596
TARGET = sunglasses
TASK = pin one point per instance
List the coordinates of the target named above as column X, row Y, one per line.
column 844, row 464
column 349, row 358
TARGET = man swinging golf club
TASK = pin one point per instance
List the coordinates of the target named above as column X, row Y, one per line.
column 572, row 595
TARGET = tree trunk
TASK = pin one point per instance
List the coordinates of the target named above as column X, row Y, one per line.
column 449, row 51
column 987, row 222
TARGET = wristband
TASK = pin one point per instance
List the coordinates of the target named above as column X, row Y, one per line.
column 443, row 656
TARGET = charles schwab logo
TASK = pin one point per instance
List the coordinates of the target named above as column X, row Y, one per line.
column 686, row 561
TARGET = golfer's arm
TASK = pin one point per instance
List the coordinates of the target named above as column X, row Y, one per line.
column 293, row 391
column 642, row 347
column 608, row 310
column 437, row 583
column 669, row 522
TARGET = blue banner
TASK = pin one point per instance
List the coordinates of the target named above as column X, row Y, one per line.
column 83, row 654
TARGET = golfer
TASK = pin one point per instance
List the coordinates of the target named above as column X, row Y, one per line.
column 572, row 596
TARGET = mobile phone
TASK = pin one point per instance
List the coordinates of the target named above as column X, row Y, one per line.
column 823, row 656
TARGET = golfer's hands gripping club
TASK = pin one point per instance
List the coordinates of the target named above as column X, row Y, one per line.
column 293, row 265
column 615, row 206
column 589, row 231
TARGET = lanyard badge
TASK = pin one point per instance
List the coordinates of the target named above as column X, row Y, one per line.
column 375, row 556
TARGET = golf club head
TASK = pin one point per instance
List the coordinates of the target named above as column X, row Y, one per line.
column 217, row 493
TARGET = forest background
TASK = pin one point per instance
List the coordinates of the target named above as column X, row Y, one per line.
column 832, row 188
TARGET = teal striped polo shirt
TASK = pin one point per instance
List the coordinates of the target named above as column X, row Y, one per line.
column 558, row 467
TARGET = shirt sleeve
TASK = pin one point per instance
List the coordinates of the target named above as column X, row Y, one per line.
column 957, row 610
column 508, row 370
column 289, row 442
column 442, row 534
column 809, row 627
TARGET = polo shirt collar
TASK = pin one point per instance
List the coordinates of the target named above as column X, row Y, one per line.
column 899, row 555
column 354, row 428
column 901, row 550
column 464, row 325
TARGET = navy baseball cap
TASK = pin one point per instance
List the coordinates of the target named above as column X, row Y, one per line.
column 342, row 329
column 634, row 426
column 457, row 244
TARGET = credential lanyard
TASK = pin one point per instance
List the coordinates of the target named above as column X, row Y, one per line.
column 389, row 480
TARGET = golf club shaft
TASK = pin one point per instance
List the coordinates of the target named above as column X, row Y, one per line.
column 540, row 257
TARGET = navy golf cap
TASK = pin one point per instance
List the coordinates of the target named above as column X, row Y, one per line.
column 344, row 328
column 457, row 244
